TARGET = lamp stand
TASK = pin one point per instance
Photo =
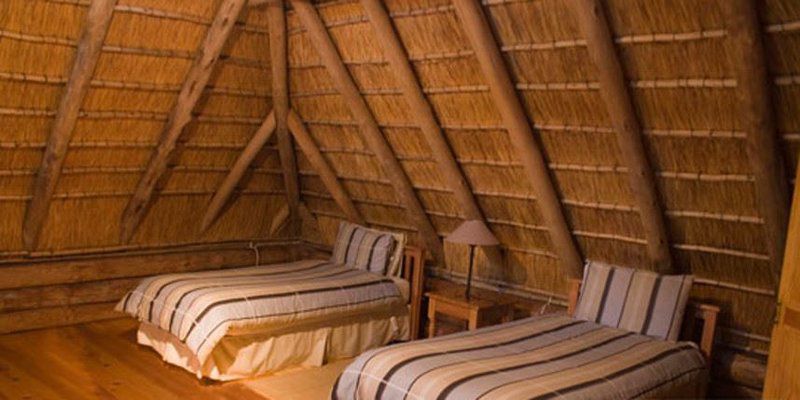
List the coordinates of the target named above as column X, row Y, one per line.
column 469, row 273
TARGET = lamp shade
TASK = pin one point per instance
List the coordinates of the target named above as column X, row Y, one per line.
column 473, row 232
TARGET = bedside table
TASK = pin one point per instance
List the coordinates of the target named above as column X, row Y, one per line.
column 476, row 311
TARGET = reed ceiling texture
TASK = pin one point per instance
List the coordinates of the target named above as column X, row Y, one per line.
column 676, row 54
column 677, row 57
column 147, row 52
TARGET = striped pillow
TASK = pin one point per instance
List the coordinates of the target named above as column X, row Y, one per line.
column 638, row 301
column 363, row 248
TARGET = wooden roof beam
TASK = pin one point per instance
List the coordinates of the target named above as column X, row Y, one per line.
column 223, row 193
column 754, row 95
column 614, row 91
column 181, row 114
column 370, row 131
column 479, row 33
column 422, row 111
column 90, row 44
column 276, row 13
column 326, row 173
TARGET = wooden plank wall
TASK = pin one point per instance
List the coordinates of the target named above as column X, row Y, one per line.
column 71, row 290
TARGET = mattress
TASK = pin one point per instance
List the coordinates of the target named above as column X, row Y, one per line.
column 200, row 308
column 536, row 358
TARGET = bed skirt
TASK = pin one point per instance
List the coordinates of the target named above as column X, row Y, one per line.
column 244, row 356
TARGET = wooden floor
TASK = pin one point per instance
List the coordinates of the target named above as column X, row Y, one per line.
column 97, row 361
column 300, row 383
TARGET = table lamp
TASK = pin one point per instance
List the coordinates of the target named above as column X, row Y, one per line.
column 472, row 233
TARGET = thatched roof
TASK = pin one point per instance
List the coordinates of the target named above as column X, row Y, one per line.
column 678, row 57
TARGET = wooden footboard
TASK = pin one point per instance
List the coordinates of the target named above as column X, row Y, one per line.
column 414, row 273
column 700, row 326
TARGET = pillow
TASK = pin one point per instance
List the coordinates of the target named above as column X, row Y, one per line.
column 366, row 249
column 638, row 301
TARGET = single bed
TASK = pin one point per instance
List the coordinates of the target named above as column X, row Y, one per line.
column 243, row 322
column 544, row 357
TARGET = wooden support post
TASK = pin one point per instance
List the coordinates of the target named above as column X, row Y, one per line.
column 280, row 104
column 754, row 94
column 254, row 146
column 326, row 173
column 181, row 114
column 90, row 44
column 421, row 110
column 614, row 91
column 479, row 33
column 369, row 127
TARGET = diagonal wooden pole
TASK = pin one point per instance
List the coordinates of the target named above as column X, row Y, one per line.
column 326, row 173
column 423, row 114
column 254, row 146
column 754, row 94
column 369, row 127
column 181, row 114
column 479, row 33
column 617, row 97
column 98, row 19
column 280, row 103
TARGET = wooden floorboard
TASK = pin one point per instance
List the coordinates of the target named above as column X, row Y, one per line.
column 99, row 360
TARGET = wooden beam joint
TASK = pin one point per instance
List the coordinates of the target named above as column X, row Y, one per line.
column 280, row 103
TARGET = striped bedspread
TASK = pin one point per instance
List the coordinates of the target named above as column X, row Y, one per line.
column 536, row 358
column 199, row 308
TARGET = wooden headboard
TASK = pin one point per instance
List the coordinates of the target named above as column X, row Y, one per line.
column 414, row 273
column 703, row 334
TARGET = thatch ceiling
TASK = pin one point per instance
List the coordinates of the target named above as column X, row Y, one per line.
column 676, row 55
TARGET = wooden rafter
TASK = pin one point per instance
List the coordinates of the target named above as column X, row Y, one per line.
column 98, row 19
column 181, row 114
column 378, row 144
column 279, row 220
column 479, row 33
column 223, row 193
column 754, row 94
column 614, row 91
column 280, row 105
column 422, row 111
column 326, row 173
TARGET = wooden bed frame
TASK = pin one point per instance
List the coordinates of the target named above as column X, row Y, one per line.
column 413, row 270
column 702, row 334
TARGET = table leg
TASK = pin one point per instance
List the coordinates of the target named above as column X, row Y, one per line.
column 431, row 319
column 474, row 316
column 508, row 316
